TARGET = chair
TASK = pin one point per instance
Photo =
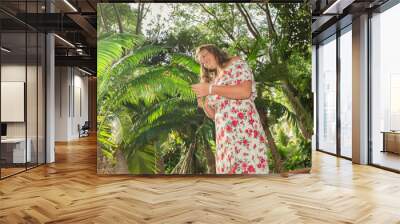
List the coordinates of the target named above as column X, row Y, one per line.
column 84, row 130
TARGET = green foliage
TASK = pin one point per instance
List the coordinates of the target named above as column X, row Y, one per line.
column 163, row 92
column 142, row 161
column 171, row 150
column 107, row 21
column 106, row 139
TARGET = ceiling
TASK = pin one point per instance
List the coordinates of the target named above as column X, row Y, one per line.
column 74, row 22
column 328, row 16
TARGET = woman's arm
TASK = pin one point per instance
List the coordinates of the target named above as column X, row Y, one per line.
column 239, row 91
column 207, row 110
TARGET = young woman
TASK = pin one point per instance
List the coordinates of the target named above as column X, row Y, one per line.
column 228, row 89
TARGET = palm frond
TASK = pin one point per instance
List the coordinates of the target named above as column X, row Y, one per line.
column 111, row 49
column 183, row 73
column 185, row 61
column 105, row 138
column 162, row 108
column 154, row 84
column 142, row 161
column 148, row 135
column 144, row 53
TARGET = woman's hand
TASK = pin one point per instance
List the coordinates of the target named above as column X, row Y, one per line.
column 200, row 102
column 210, row 112
column 201, row 89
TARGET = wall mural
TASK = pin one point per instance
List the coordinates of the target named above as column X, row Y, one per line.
column 204, row 88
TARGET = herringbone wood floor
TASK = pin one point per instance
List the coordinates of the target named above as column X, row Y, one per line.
column 69, row 191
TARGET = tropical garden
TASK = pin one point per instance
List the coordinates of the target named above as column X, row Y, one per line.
column 148, row 118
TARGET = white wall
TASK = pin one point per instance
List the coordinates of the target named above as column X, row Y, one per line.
column 71, row 87
column 62, row 81
column 33, row 127
column 13, row 73
column 9, row 73
column 80, row 100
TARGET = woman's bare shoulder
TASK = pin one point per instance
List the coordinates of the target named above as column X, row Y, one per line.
column 233, row 60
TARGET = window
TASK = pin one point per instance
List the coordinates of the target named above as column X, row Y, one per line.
column 346, row 92
column 22, row 69
column 385, row 88
column 327, row 95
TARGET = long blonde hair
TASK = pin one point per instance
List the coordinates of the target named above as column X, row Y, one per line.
column 208, row 75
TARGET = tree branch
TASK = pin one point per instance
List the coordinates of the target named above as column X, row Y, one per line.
column 252, row 31
column 249, row 19
column 270, row 140
column 102, row 17
column 147, row 10
column 261, row 6
column 139, row 18
column 232, row 8
column 267, row 11
column 121, row 30
column 270, row 23
column 223, row 28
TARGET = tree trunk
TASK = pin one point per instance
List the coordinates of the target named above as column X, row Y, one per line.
column 139, row 18
column 104, row 166
column 121, row 167
column 121, row 30
column 271, row 29
column 102, row 17
column 304, row 117
column 210, row 159
column 186, row 163
column 250, row 25
column 270, row 141
column 160, row 165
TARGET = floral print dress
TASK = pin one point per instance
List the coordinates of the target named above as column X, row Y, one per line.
column 240, row 138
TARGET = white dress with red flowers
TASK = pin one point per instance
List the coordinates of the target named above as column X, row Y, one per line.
column 240, row 138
